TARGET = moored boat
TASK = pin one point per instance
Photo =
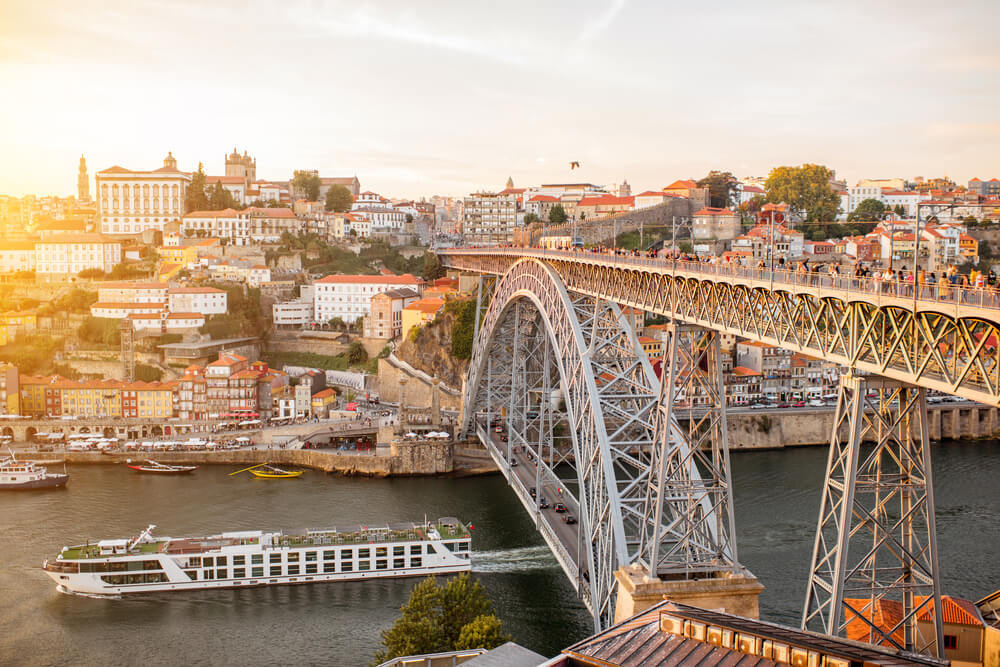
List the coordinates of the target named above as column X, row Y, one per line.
column 268, row 471
column 156, row 467
column 146, row 564
column 16, row 474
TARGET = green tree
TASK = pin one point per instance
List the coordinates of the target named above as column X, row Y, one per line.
column 432, row 267
column 356, row 353
column 443, row 618
column 308, row 183
column 869, row 210
column 557, row 215
column 339, row 199
column 484, row 631
column 195, row 198
column 899, row 210
column 220, row 198
column 530, row 219
column 806, row 190
column 721, row 188
column 100, row 331
column 462, row 330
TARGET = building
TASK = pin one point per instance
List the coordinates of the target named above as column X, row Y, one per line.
column 224, row 224
column 818, row 248
column 715, row 223
column 541, row 206
column 385, row 319
column 231, row 386
column 689, row 189
column 82, row 182
column 268, row 224
column 603, row 206
column 653, row 347
column 322, row 402
column 489, row 218
column 989, row 189
column 10, row 390
column 192, row 396
column 352, row 184
column 57, row 396
column 349, row 297
column 742, row 386
column 296, row 313
column 419, row 313
column 203, row 300
column 72, row 253
column 130, row 202
column 774, row 365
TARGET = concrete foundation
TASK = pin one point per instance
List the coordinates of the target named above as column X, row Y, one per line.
column 733, row 594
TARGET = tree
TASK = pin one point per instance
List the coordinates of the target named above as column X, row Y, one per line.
column 432, row 267
column 721, row 188
column 195, row 198
column 462, row 332
column 899, row 211
column 443, row 618
column 557, row 215
column 869, row 210
column 806, row 190
column 220, row 198
column 484, row 631
column 356, row 353
column 308, row 183
column 530, row 219
column 147, row 373
column 339, row 199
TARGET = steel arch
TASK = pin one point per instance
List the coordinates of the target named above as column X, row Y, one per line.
column 611, row 395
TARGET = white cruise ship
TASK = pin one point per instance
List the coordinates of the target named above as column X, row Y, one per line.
column 147, row 564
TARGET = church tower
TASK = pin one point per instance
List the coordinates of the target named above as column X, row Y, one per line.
column 170, row 162
column 510, row 183
column 83, row 182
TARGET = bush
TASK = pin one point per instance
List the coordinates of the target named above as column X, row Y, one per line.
column 147, row 373
column 100, row 331
column 463, row 329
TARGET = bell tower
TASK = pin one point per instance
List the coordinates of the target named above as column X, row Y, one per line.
column 83, row 182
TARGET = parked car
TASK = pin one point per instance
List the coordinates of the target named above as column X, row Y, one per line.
column 799, row 404
column 759, row 406
column 784, row 405
column 817, row 403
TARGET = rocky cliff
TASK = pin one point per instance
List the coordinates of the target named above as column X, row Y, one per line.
column 430, row 349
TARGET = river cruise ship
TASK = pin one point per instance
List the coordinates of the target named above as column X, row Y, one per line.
column 16, row 474
column 147, row 564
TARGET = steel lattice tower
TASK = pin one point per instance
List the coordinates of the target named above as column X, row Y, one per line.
column 875, row 538
column 128, row 350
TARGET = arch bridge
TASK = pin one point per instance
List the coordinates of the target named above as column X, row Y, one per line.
column 564, row 398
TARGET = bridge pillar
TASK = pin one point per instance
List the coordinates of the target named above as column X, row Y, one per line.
column 688, row 545
column 876, row 538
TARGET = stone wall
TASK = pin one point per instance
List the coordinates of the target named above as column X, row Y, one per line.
column 418, row 393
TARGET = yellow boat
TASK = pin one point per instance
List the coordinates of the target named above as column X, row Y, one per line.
column 267, row 471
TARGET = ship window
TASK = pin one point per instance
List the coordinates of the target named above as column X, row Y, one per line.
column 347, row 567
column 430, row 549
column 119, row 566
column 463, row 546
column 194, row 562
column 239, row 573
column 311, row 556
column 191, row 573
column 257, row 572
column 399, row 551
column 257, row 559
column 330, row 555
column 220, row 574
column 329, row 567
column 151, row 565
column 416, row 561
column 293, row 569
column 414, row 549
column 239, row 560
column 208, row 561
column 275, row 558
column 310, row 568
column 364, row 553
column 208, row 574
column 364, row 565
column 381, row 552
column 220, row 561
column 293, row 556
column 381, row 564
column 275, row 570
column 399, row 562
column 450, row 546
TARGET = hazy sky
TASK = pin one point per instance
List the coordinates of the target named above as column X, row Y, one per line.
column 418, row 98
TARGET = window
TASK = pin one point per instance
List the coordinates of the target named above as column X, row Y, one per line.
column 310, row 568
column 275, row 558
column 399, row 562
column 364, row 553
column 293, row 557
column 220, row 561
column 275, row 570
column 363, row 565
column 348, row 567
column 951, row 642
column 293, row 569
column 416, row 561
column 381, row 564
column 257, row 572
column 381, row 552
column 311, row 556
column 239, row 573
column 398, row 551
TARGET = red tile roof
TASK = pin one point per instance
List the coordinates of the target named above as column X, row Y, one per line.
column 607, row 200
column 682, row 185
column 544, row 198
column 405, row 279
column 224, row 213
column 711, row 210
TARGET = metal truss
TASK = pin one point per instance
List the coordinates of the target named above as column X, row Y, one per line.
column 690, row 527
column 610, row 394
column 948, row 347
column 876, row 541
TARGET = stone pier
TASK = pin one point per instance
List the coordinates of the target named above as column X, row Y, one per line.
column 732, row 593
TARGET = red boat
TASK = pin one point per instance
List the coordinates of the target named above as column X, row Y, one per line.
column 160, row 468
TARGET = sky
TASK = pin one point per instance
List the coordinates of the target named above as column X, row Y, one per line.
column 422, row 98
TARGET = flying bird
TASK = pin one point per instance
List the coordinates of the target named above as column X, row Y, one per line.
column 575, row 164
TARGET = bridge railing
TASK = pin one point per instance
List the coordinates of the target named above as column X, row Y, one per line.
column 941, row 292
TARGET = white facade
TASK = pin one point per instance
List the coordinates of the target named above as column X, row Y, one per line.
column 167, row 321
column 367, row 200
column 203, row 300
column 133, row 293
column 858, row 193
column 130, row 202
column 349, row 297
column 224, row 224
column 381, row 219
column 908, row 200
column 17, row 257
column 116, row 310
column 295, row 313
column 74, row 253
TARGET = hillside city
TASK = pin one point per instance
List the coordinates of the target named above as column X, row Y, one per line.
column 273, row 300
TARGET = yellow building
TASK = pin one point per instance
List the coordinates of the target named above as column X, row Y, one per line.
column 321, row 402
column 10, row 390
column 968, row 247
column 177, row 254
column 420, row 312
column 148, row 400
column 651, row 346
column 57, row 396
column 91, row 398
column 26, row 320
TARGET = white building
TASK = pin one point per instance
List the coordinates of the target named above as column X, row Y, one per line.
column 292, row 313
column 908, row 200
column 268, row 224
column 349, row 297
column 166, row 322
column 130, row 202
column 129, row 292
column 368, row 200
column 380, row 220
column 235, row 185
column 224, row 224
column 858, row 193
column 17, row 256
column 203, row 300
column 116, row 310
column 72, row 253
column 489, row 218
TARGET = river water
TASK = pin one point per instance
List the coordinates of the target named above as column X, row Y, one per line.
column 777, row 499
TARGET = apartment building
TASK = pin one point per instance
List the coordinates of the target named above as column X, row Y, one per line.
column 385, row 320
column 349, row 297
column 489, row 218
column 774, row 365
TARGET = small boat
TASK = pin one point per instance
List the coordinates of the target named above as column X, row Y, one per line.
column 160, row 468
column 16, row 474
column 268, row 471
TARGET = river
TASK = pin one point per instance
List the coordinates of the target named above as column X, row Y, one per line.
column 777, row 497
